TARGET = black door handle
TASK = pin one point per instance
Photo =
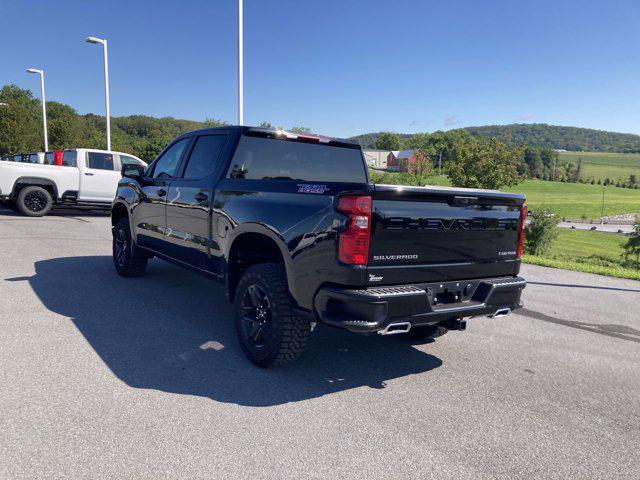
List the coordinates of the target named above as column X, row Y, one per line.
column 89, row 174
column 201, row 197
column 162, row 193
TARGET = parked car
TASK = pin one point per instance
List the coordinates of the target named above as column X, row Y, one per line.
column 292, row 226
column 86, row 177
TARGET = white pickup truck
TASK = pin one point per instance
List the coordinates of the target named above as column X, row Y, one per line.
column 86, row 177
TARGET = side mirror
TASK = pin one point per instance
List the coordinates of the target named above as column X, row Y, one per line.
column 133, row 171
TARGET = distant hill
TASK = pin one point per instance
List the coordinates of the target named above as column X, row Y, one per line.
column 368, row 140
column 543, row 135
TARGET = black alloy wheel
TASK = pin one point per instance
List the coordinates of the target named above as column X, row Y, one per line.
column 256, row 316
column 127, row 258
column 35, row 201
column 120, row 248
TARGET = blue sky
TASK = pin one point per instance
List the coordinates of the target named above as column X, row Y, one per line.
column 338, row 67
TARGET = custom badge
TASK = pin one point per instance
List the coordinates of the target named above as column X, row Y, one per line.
column 311, row 188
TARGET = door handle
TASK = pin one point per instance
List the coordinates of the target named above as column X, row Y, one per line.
column 88, row 174
column 162, row 193
column 201, row 197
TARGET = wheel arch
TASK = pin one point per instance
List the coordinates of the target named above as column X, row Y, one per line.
column 47, row 184
column 253, row 244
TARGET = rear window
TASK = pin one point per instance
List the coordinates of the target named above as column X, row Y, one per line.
column 270, row 159
column 70, row 158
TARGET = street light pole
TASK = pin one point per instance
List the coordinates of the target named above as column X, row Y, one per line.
column 103, row 42
column 44, row 105
column 602, row 210
column 240, row 66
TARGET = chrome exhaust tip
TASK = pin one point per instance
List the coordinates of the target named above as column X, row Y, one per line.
column 393, row 328
column 501, row 312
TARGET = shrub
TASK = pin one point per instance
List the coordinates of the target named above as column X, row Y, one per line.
column 632, row 247
column 541, row 232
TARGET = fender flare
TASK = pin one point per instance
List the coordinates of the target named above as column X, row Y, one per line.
column 39, row 181
column 272, row 234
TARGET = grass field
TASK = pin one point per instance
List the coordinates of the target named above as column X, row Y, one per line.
column 601, row 165
column 573, row 200
column 570, row 200
column 587, row 251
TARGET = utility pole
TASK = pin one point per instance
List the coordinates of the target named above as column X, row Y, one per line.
column 240, row 66
column 602, row 209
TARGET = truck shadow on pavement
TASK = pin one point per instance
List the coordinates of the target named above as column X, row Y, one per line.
column 173, row 331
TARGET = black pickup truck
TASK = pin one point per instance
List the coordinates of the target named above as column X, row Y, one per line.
column 292, row 226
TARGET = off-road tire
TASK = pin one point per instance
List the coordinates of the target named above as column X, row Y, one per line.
column 426, row 332
column 34, row 201
column 127, row 259
column 285, row 333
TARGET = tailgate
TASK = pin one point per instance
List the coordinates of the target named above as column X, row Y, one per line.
column 425, row 234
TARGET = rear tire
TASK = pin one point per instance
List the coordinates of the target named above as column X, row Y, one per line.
column 269, row 331
column 127, row 259
column 34, row 201
column 426, row 332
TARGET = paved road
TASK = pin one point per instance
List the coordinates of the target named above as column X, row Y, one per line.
column 103, row 377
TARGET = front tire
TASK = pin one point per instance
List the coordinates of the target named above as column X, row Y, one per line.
column 128, row 261
column 269, row 331
column 34, row 201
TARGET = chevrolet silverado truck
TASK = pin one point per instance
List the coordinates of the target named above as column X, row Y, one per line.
column 297, row 233
column 77, row 177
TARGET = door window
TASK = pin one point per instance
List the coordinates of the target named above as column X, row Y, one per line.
column 204, row 156
column 167, row 165
column 100, row 161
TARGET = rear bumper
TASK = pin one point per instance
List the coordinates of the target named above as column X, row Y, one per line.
column 373, row 309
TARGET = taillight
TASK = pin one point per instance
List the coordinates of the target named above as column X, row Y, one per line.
column 353, row 243
column 523, row 219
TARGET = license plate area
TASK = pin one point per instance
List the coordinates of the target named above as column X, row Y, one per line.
column 451, row 293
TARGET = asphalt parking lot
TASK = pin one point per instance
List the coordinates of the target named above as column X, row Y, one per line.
column 103, row 377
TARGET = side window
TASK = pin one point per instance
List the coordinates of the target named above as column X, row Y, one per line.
column 70, row 158
column 204, row 156
column 100, row 161
column 167, row 164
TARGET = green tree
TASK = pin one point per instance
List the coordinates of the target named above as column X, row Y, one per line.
column 420, row 167
column 541, row 232
column 20, row 121
column 64, row 127
column 533, row 161
column 301, row 130
column 388, row 141
column 632, row 247
column 266, row 125
column 489, row 164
